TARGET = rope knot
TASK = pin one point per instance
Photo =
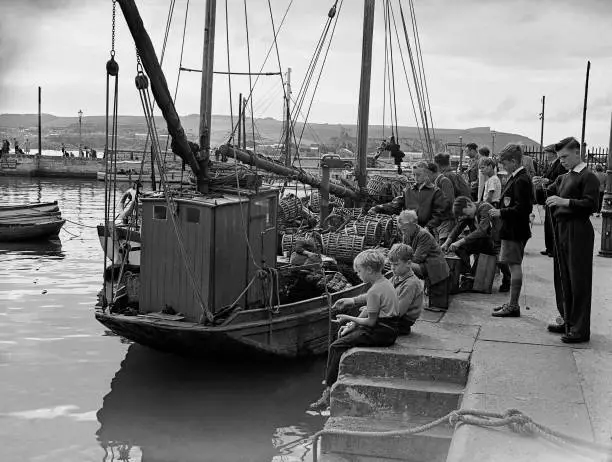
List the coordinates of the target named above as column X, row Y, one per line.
column 519, row 422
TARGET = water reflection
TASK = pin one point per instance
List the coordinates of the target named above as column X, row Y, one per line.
column 163, row 408
column 50, row 248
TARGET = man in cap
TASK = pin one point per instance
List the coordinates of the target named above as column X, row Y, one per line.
column 572, row 198
column 552, row 172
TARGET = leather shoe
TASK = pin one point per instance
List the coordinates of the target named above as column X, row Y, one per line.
column 556, row 328
column 507, row 311
column 573, row 337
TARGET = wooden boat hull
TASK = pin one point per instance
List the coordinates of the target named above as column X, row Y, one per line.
column 28, row 210
column 11, row 232
column 121, row 239
column 171, row 177
column 298, row 329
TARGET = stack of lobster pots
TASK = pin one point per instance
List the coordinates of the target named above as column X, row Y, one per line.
column 348, row 231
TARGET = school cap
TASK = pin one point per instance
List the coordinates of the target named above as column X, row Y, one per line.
column 570, row 143
column 550, row 148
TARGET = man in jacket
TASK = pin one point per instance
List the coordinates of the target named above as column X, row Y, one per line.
column 429, row 202
column 471, row 150
column 428, row 262
column 541, row 183
column 516, row 206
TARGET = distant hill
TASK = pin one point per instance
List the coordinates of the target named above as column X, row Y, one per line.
column 57, row 130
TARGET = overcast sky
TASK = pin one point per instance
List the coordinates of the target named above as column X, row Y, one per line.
column 488, row 62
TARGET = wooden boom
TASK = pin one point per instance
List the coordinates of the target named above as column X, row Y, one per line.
column 289, row 172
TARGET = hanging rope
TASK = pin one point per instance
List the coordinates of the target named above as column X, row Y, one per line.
column 420, row 59
column 110, row 151
column 416, row 118
column 229, row 69
column 250, row 100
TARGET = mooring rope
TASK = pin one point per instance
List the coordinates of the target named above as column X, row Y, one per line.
column 514, row 419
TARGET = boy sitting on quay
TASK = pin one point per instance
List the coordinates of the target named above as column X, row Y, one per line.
column 375, row 326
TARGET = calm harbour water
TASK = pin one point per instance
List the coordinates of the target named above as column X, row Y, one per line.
column 72, row 391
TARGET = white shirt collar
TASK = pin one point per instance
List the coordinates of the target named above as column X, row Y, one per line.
column 518, row 170
column 580, row 167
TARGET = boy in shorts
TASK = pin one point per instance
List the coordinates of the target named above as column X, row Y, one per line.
column 516, row 205
column 375, row 326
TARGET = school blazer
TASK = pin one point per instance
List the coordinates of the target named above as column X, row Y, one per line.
column 516, row 204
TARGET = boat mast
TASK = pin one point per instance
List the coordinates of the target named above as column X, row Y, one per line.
column 207, row 77
column 364, row 94
column 288, row 120
column 39, row 121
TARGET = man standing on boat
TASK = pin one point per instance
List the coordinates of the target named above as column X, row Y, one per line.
column 129, row 201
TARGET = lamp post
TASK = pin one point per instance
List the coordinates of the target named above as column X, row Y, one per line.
column 606, row 210
column 80, row 118
column 493, row 143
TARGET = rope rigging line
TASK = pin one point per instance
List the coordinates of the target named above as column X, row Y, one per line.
column 246, row 24
column 385, row 83
column 312, row 66
column 422, row 65
column 321, row 70
column 259, row 74
column 229, row 69
column 418, row 89
column 416, row 119
column 392, row 72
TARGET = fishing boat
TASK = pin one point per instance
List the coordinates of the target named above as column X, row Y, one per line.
column 210, row 278
column 42, row 228
column 30, row 222
column 28, row 210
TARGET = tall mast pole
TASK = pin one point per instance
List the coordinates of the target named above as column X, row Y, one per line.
column 542, row 129
column 39, row 121
column 584, row 110
column 364, row 94
column 207, row 77
column 288, row 120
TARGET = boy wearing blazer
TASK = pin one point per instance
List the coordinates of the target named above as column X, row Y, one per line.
column 516, row 205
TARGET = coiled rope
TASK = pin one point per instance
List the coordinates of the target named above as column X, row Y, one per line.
column 514, row 419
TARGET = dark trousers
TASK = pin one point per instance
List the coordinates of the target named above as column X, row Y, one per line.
column 574, row 273
column 381, row 335
column 548, row 231
column 474, row 248
column 601, row 194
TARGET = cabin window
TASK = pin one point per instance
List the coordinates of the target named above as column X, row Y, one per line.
column 264, row 209
column 193, row 215
column 159, row 212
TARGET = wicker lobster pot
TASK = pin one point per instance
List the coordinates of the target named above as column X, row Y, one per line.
column 290, row 208
column 315, row 201
column 378, row 185
column 371, row 230
column 343, row 247
column 289, row 241
column 388, row 224
column 353, row 213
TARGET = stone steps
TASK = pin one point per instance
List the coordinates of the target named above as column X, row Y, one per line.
column 414, row 382
column 403, row 398
column 407, row 363
column 430, row 446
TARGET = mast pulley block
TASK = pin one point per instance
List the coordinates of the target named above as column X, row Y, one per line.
column 142, row 81
column 112, row 67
